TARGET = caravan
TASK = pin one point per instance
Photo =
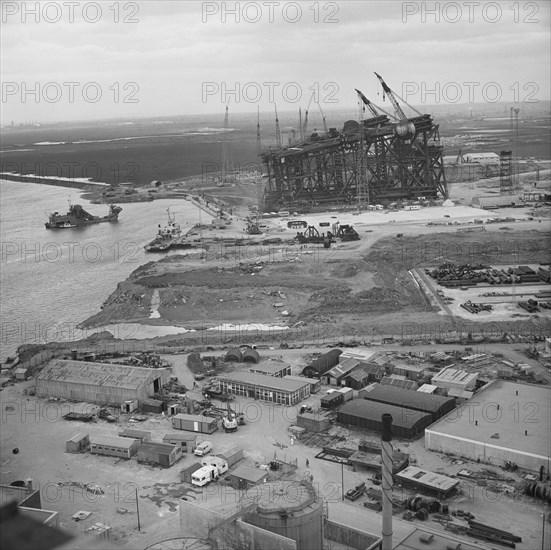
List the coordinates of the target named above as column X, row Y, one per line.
column 204, row 475
column 220, row 464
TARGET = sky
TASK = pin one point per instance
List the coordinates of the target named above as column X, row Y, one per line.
column 64, row 60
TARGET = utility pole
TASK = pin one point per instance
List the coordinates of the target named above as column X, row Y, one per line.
column 342, row 479
column 138, row 509
column 258, row 142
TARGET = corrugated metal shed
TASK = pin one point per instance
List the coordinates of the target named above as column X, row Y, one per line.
column 323, row 363
column 367, row 414
column 490, row 203
column 233, row 354
column 96, row 374
column 399, row 382
column 250, row 356
column 436, row 405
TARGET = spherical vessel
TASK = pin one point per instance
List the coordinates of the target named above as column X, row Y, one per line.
column 405, row 129
column 289, row 508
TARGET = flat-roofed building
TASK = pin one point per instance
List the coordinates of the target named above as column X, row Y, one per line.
column 162, row 454
column 186, row 441
column 503, row 422
column 457, row 379
column 428, row 482
column 99, row 382
column 121, row 447
column 272, row 369
column 265, row 388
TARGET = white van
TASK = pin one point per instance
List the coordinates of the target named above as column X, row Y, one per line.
column 219, row 463
column 203, row 448
column 204, row 475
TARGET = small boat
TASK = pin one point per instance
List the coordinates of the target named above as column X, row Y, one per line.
column 166, row 236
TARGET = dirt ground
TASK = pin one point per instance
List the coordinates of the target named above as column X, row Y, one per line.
column 34, row 426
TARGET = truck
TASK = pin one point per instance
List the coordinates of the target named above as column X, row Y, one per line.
column 204, row 475
column 229, row 423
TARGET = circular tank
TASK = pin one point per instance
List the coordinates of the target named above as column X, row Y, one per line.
column 405, row 129
column 288, row 508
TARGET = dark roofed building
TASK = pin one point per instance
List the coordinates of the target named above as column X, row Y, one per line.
column 322, row 364
column 337, row 374
column 436, row 405
column 366, row 374
column 406, row 423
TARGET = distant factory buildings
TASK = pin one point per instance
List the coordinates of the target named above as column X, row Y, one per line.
column 99, row 382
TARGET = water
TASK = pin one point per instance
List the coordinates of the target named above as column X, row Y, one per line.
column 54, row 279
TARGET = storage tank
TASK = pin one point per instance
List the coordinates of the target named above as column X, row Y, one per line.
column 289, row 508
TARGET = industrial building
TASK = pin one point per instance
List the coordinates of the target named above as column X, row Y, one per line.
column 195, row 423
column 265, row 388
column 336, row 376
column 427, row 482
column 449, row 378
column 435, row 405
column 272, row 369
column 493, row 203
column 406, row 424
column 481, row 157
column 504, row 422
column 121, row 447
column 99, row 382
column 367, row 373
column 315, row 384
column 412, row 372
column 232, row 455
column 186, row 441
column 244, row 477
column 161, row 454
column 322, row 364
column 399, row 381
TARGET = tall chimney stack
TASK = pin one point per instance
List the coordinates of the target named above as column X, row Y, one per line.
column 386, row 438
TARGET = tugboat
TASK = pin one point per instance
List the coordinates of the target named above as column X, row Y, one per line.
column 165, row 235
column 77, row 216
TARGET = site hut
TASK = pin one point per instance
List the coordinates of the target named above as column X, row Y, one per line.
column 406, row 424
column 322, row 364
column 360, row 378
column 435, row 405
column 99, row 382
column 121, row 447
column 449, row 378
column 232, row 455
column 493, row 203
column 412, row 372
column 273, row 369
column 482, row 158
column 78, row 443
column 427, row 482
column 161, row 454
column 244, row 477
column 265, row 388
column 315, row 384
column 153, row 406
column 336, row 376
column 186, row 441
column 195, row 423
column 141, row 435
column 510, row 423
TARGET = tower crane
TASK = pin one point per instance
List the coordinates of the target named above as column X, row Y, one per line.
column 278, row 131
column 323, row 118
column 305, row 130
column 367, row 103
column 405, row 129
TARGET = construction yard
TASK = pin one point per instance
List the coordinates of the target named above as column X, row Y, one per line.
column 107, row 486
